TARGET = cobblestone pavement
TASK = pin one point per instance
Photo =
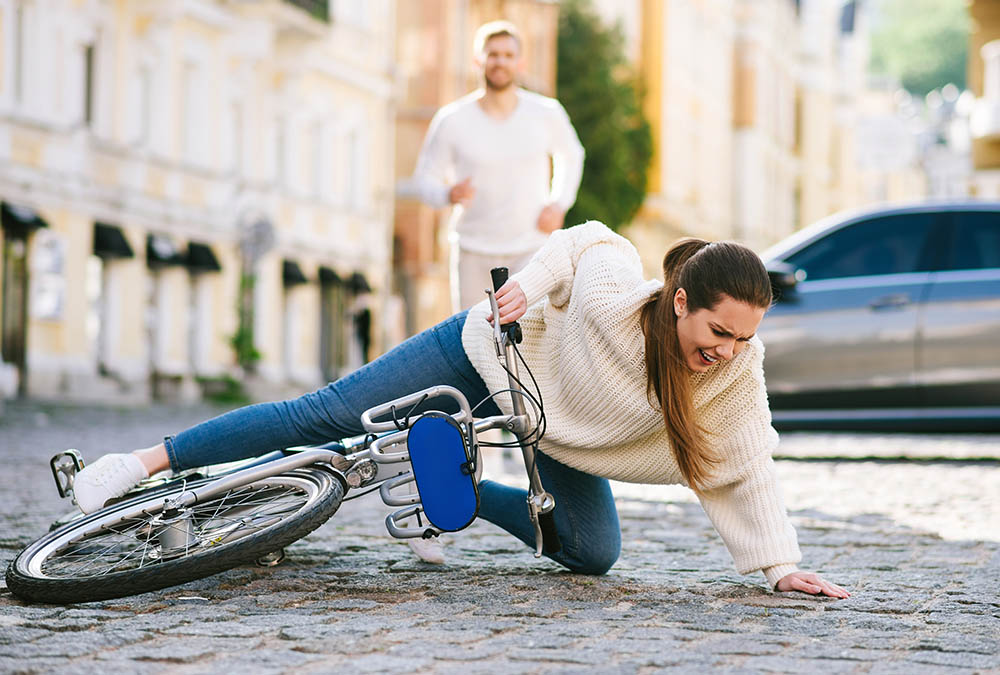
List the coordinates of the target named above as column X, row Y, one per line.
column 917, row 543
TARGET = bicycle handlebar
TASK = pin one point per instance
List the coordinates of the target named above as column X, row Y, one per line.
column 499, row 276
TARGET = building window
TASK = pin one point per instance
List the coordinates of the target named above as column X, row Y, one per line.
column 89, row 84
column 194, row 100
column 97, row 311
column 141, row 108
column 200, row 315
column 20, row 55
column 356, row 170
column 235, row 163
column 145, row 103
column 291, row 331
column 280, row 152
column 316, row 147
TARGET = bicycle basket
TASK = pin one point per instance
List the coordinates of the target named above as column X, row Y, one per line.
column 444, row 471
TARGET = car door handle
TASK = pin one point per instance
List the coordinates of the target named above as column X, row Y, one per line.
column 893, row 301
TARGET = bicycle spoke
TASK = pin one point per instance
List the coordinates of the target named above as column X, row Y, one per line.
column 133, row 543
column 94, row 556
column 145, row 547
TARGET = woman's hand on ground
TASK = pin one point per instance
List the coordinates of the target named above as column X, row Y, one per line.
column 511, row 301
column 807, row 582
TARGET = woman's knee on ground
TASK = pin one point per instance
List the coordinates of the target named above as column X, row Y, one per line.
column 593, row 557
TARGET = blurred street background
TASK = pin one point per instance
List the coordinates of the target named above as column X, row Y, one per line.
column 199, row 198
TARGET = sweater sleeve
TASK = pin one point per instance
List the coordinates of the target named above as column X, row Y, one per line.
column 552, row 269
column 433, row 175
column 746, row 505
column 567, row 159
column 749, row 514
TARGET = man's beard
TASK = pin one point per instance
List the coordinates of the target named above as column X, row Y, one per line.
column 493, row 86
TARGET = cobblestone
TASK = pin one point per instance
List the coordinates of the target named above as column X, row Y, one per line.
column 917, row 543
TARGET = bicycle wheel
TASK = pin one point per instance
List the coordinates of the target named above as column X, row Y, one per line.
column 133, row 547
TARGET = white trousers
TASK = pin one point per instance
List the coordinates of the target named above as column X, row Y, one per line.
column 470, row 274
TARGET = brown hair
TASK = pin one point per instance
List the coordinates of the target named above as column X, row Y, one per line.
column 493, row 29
column 707, row 272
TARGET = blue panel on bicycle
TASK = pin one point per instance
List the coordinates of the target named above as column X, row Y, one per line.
column 438, row 453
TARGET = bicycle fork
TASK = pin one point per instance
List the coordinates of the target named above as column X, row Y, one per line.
column 540, row 502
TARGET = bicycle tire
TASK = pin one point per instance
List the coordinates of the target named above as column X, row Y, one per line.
column 246, row 535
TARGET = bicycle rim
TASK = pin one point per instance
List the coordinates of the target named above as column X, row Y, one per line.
column 134, row 547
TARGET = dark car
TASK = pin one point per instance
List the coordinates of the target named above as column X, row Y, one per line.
column 888, row 319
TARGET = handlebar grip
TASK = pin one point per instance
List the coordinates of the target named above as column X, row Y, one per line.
column 550, row 538
column 499, row 276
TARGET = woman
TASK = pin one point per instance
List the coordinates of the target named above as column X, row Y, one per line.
column 642, row 382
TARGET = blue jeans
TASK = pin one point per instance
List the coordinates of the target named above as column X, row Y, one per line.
column 585, row 513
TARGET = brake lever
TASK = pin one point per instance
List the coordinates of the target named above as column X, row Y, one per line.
column 497, row 333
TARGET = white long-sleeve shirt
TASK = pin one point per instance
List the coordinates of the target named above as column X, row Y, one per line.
column 584, row 344
column 509, row 163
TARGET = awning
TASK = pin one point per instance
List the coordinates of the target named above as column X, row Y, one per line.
column 19, row 219
column 329, row 276
column 109, row 242
column 201, row 258
column 292, row 274
column 162, row 252
column 359, row 284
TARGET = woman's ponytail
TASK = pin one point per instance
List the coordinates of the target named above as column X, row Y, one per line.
column 706, row 271
column 668, row 378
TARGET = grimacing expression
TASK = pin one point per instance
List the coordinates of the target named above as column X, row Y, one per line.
column 708, row 336
column 499, row 60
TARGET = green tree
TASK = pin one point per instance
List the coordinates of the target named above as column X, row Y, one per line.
column 242, row 340
column 922, row 43
column 600, row 92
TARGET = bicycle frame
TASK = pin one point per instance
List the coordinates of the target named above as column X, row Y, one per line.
column 383, row 460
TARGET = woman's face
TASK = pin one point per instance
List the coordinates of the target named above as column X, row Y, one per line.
column 708, row 336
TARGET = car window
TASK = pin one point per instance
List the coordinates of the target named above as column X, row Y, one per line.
column 887, row 245
column 976, row 241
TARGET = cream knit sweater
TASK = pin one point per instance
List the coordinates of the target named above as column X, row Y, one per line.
column 585, row 346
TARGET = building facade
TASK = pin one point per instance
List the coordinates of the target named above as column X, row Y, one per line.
column 177, row 177
column 754, row 107
column 767, row 143
column 984, row 83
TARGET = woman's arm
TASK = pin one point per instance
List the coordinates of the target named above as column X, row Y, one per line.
column 552, row 269
column 744, row 500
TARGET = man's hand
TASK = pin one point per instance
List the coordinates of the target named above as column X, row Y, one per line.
column 551, row 218
column 807, row 582
column 511, row 302
column 462, row 193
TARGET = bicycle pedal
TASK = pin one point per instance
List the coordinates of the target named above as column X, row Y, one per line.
column 65, row 466
column 271, row 559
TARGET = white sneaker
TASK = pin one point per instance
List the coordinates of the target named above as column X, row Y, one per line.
column 109, row 477
column 429, row 550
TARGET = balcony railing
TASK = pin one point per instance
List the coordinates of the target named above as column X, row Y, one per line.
column 318, row 9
